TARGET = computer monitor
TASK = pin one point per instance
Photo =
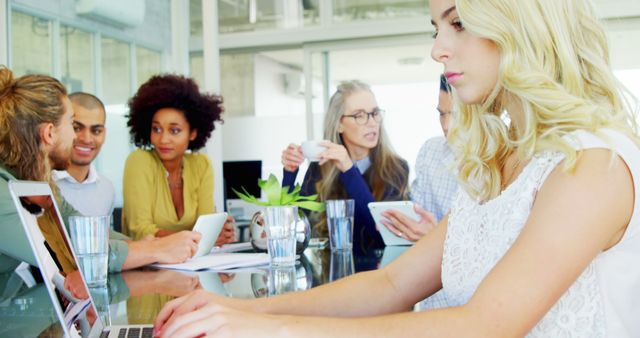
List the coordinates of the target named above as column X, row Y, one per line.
column 241, row 174
column 238, row 175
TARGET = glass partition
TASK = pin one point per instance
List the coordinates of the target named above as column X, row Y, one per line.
column 116, row 65
column 148, row 63
column 254, row 15
column 76, row 58
column 196, row 67
column 363, row 10
column 237, row 81
column 30, row 45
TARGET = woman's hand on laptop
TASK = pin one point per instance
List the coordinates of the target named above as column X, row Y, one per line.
column 185, row 305
column 218, row 320
column 405, row 227
column 228, row 232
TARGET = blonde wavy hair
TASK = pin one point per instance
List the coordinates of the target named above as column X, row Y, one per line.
column 26, row 103
column 554, row 60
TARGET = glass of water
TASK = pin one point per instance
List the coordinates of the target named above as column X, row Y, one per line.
column 340, row 223
column 280, row 223
column 90, row 240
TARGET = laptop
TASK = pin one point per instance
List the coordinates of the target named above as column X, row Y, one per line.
column 55, row 258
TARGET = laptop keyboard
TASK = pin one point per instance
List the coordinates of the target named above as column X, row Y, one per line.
column 134, row 332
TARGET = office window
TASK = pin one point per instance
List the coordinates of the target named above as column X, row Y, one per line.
column 76, row 58
column 116, row 77
column 348, row 10
column 254, row 15
column 148, row 63
column 30, row 45
column 237, row 77
column 196, row 68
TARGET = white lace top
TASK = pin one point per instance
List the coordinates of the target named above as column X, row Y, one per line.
column 603, row 302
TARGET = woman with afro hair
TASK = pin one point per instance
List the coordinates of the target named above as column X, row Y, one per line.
column 167, row 183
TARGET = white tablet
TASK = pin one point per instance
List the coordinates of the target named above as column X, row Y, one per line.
column 405, row 207
column 209, row 226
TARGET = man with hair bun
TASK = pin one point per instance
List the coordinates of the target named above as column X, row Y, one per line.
column 36, row 136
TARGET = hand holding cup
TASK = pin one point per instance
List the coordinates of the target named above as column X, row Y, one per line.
column 292, row 157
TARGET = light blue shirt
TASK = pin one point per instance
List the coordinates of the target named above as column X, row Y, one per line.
column 435, row 185
column 434, row 189
column 363, row 164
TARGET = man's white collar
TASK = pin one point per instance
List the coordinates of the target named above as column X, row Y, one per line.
column 59, row 175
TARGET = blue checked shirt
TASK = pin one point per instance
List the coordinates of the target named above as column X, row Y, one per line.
column 433, row 189
column 435, row 185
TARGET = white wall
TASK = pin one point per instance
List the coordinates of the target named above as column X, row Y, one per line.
column 262, row 138
column 411, row 116
column 271, row 96
column 279, row 119
column 115, row 149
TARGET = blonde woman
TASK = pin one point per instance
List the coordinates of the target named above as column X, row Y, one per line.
column 543, row 239
column 358, row 162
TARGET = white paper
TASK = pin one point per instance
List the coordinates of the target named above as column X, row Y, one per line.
column 219, row 261
column 233, row 247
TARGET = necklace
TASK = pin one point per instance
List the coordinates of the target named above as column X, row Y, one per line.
column 514, row 167
column 175, row 183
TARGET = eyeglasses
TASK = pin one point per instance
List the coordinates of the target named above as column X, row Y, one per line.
column 362, row 117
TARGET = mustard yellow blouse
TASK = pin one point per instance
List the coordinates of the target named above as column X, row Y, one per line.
column 148, row 206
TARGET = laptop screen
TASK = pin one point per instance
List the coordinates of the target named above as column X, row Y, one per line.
column 57, row 263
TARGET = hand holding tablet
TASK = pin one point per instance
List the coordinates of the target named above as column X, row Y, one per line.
column 377, row 208
column 209, row 226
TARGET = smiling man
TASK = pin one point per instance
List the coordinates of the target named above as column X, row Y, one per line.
column 81, row 178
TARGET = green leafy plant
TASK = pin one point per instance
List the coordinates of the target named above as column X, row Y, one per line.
column 278, row 195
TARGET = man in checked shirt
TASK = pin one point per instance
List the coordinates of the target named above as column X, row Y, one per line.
column 432, row 191
column 435, row 185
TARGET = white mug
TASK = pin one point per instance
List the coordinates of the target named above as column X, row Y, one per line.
column 312, row 149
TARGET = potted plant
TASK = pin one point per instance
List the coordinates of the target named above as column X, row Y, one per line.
column 277, row 195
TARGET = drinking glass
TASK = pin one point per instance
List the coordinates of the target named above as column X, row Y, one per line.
column 340, row 223
column 90, row 240
column 280, row 223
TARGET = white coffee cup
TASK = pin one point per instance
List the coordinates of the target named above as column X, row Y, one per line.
column 312, row 149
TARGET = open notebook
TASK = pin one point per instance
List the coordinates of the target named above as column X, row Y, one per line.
column 51, row 246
